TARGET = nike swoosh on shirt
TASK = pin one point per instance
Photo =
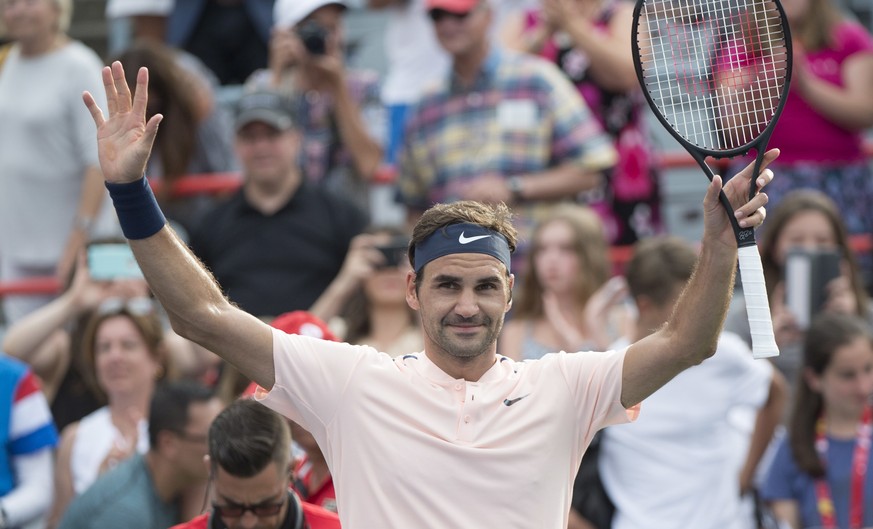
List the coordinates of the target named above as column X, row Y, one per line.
column 510, row 402
column 468, row 240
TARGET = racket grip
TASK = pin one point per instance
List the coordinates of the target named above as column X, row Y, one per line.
column 757, row 304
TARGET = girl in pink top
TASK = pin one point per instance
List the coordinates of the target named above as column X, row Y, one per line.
column 828, row 107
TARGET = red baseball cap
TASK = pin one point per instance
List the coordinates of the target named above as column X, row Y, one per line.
column 298, row 322
column 305, row 324
column 453, row 6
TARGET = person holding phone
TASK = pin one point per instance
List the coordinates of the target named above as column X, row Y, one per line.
column 807, row 221
column 338, row 107
column 369, row 294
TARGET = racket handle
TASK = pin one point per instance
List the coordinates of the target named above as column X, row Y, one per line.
column 757, row 304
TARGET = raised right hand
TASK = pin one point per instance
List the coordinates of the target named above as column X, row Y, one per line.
column 124, row 141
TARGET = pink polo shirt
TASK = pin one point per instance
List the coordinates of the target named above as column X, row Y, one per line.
column 409, row 446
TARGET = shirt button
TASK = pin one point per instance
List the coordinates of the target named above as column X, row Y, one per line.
column 459, row 386
column 466, row 418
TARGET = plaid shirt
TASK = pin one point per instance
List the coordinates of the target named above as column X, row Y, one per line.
column 520, row 116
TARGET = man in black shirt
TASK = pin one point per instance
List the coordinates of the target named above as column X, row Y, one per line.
column 279, row 241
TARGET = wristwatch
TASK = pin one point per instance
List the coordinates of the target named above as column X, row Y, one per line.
column 516, row 187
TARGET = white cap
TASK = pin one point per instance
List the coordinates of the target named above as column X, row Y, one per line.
column 288, row 13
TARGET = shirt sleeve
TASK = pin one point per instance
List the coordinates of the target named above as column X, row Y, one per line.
column 595, row 381
column 310, row 377
column 416, row 172
column 855, row 38
column 31, row 426
column 576, row 133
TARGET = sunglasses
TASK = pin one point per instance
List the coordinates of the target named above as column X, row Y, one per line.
column 438, row 15
column 260, row 510
column 137, row 306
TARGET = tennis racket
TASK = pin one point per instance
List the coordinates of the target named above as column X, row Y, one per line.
column 716, row 74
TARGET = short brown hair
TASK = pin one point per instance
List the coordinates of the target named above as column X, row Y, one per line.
column 147, row 325
column 658, row 266
column 495, row 217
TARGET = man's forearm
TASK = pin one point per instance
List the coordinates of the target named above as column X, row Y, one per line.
column 691, row 334
column 699, row 314
column 366, row 152
column 562, row 181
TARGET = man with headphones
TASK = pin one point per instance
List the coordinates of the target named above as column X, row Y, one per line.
column 250, row 465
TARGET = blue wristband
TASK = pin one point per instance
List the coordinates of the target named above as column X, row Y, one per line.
column 138, row 211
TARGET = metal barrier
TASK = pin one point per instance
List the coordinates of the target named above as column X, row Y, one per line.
column 222, row 183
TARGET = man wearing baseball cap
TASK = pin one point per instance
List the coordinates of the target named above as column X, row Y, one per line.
column 341, row 117
column 503, row 127
column 280, row 240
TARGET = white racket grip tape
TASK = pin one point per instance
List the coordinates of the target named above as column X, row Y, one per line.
column 757, row 304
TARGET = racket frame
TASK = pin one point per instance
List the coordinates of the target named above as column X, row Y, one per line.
column 751, row 272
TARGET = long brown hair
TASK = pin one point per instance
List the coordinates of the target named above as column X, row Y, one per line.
column 826, row 334
column 171, row 89
column 590, row 245
column 795, row 203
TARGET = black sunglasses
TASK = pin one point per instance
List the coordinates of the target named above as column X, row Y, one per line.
column 261, row 510
column 437, row 15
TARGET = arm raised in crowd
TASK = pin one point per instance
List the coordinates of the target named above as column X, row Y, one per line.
column 195, row 304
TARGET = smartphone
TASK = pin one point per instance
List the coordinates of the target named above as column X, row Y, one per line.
column 394, row 251
column 111, row 261
column 807, row 274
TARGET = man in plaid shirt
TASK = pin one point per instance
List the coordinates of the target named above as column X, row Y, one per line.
column 502, row 128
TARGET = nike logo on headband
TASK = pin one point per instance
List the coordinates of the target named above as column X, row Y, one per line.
column 468, row 240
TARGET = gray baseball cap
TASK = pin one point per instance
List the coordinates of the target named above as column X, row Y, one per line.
column 264, row 106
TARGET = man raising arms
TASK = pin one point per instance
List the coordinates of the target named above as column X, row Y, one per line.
column 454, row 435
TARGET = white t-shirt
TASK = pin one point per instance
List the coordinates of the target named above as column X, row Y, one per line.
column 95, row 437
column 410, row 446
column 677, row 467
column 47, row 141
column 415, row 59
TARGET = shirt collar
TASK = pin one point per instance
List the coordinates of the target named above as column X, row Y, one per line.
column 487, row 73
column 500, row 370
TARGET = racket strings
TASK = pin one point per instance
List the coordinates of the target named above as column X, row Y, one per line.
column 715, row 69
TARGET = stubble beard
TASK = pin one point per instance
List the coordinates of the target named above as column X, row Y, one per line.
column 460, row 351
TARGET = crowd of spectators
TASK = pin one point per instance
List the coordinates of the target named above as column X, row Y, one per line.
column 532, row 103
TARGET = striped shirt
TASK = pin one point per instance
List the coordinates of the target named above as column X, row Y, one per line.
column 26, row 424
column 520, row 116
